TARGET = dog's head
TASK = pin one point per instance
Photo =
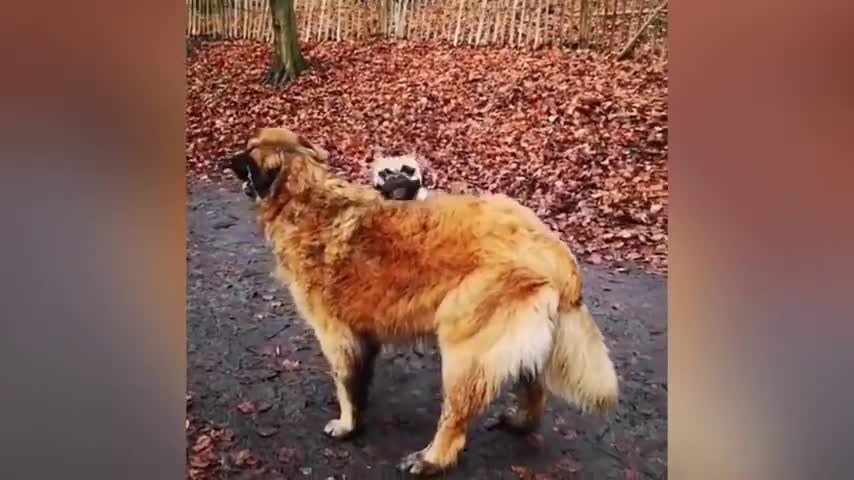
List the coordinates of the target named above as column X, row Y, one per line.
column 266, row 159
column 397, row 177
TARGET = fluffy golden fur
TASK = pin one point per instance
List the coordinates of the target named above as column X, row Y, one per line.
column 500, row 293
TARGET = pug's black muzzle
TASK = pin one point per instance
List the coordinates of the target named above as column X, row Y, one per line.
column 400, row 187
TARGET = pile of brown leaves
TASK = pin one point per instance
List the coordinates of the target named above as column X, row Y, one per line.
column 212, row 451
column 578, row 137
column 206, row 450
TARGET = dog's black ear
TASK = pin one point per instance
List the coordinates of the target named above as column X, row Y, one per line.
column 239, row 164
column 261, row 180
column 245, row 168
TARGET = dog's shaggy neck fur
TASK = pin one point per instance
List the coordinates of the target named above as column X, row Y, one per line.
column 307, row 189
column 307, row 208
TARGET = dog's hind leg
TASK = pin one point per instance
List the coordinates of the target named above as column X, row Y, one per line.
column 468, row 390
column 506, row 335
column 351, row 359
column 527, row 414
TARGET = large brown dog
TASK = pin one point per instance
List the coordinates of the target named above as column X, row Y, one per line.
column 500, row 292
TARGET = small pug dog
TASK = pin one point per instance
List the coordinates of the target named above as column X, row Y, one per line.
column 403, row 177
column 399, row 177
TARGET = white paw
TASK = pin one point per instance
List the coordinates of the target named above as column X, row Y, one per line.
column 337, row 429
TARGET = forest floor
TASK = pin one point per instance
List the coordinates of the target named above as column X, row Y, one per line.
column 258, row 388
column 578, row 137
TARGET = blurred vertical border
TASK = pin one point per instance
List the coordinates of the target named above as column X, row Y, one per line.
column 93, row 368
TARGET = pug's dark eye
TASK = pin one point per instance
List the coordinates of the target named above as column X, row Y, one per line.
column 384, row 173
column 406, row 169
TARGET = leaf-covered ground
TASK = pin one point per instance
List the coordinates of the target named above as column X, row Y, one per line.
column 579, row 138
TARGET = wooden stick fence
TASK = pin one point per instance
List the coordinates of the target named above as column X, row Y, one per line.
column 604, row 24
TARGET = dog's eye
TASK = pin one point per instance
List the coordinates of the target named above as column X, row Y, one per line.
column 384, row 173
column 406, row 169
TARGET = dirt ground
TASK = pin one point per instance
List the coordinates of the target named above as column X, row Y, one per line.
column 254, row 368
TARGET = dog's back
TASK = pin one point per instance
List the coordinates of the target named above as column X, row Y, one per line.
column 395, row 262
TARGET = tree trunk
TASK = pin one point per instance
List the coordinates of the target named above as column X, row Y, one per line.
column 287, row 62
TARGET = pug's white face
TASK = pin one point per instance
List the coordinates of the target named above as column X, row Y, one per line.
column 398, row 178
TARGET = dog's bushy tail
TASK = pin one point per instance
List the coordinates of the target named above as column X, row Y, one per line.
column 579, row 368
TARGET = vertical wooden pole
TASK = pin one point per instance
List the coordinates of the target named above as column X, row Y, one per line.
column 307, row 34
column 513, row 24
column 338, row 22
column 481, row 19
column 459, row 23
column 583, row 21
column 522, row 18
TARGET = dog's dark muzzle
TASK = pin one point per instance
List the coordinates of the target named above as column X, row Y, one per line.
column 248, row 189
column 400, row 187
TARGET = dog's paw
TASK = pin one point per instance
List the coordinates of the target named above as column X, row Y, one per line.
column 338, row 429
column 513, row 422
column 415, row 464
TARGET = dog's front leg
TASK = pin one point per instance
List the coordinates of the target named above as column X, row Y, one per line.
column 351, row 359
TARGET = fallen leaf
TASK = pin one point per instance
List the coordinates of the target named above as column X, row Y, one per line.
column 290, row 365
column 199, row 461
column 245, row 458
column 287, row 455
column 626, row 233
column 203, row 442
column 246, row 407
column 519, row 470
column 631, row 474
column 266, row 431
column 263, row 406
column 535, row 440
column 568, row 465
